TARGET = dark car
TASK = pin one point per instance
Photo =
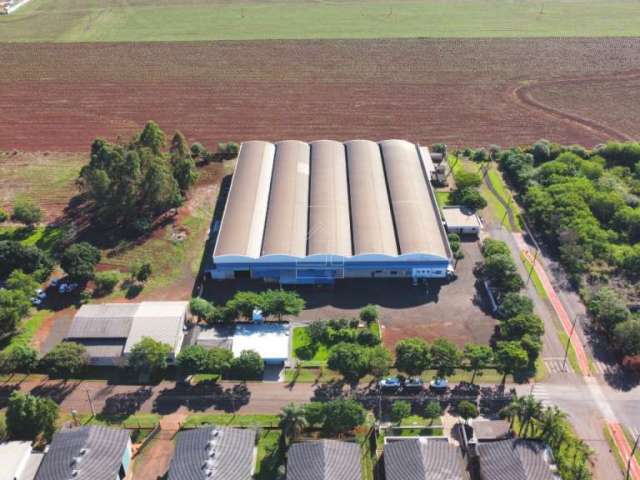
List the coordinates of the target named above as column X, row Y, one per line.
column 413, row 385
column 389, row 384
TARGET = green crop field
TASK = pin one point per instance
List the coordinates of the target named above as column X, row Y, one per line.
column 189, row 20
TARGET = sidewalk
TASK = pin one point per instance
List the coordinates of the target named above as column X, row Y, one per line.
column 624, row 448
column 576, row 343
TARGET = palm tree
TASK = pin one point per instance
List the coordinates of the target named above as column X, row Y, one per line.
column 530, row 409
column 552, row 426
column 292, row 423
column 511, row 412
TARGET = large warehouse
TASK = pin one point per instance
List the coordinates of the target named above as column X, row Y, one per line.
column 314, row 212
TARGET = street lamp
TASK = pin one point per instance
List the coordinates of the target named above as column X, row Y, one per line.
column 566, row 350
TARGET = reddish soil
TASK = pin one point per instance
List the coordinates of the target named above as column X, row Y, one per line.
column 60, row 96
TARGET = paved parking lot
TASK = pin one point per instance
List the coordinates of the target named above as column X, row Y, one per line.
column 448, row 310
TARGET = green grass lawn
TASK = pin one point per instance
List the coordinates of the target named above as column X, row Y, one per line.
column 229, row 419
column 27, row 330
column 268, row 460
column 442, row 198
column 537, row 283
column 302, row 340
column 146, row 20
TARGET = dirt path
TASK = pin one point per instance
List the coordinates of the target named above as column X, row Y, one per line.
column 522, row 95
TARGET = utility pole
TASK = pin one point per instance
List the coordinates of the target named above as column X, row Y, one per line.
column 633, row 452
column 566, row 350
column 533, row 263
column 93, row 411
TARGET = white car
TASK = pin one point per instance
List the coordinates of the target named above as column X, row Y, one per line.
column 41, row 294
column 36, row 301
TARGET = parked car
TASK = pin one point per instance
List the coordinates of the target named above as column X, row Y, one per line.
column 67, row 287
column 413, row 385
column 389, row 384
column 36, row 301
column 41, row 294
column 439, row 385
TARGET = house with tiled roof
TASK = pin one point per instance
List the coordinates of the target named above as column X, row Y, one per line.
column 515, row 459
column 324, row 460
column 423, row 459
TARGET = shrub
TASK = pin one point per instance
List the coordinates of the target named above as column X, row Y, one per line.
column 26, row 211
column 433, row 410
column 399, row 410
column 367, row 338
column 247, row 366
column 369, row 314
column 66, row 360
column 467, row 409
column 106, row 281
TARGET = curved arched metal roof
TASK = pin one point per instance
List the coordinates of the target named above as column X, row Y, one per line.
column 329, row 223
column 287, row 213
column 414, row 215
column 245, row 212
column 371, row 221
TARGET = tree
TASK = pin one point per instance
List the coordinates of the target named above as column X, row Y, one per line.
column 193, row 359
column 608, row 309
column 248, row 365
column 292, row 422
column 281, row 302
column 478, row 356
column 79, row 261
column 500, row 270
column 380, row 361
column 467, row 410
column 465, row 179
column 433, row 410
column 152, row 137
column 140, row 271
column 343, row 415
column 552, row 426
column 243, row 303
column 351, row 360
column 367, row 338
column 317, row 330
column 219, row 360
column 510, row 358
column 27, row 212
column 399, row 410
column 30, row 259
column 541, row 152
column 67, row 359
column 481, row 155
column 369, row 314
column 445, row 357
column 314, row 412
column 14, row 305
column 23, row 358
column 468, row 197
column 149, row 356
column 529, row 409
column 515, row 328
column 184, row 168
column 514, row 304
column 106, row 281
column 201, row 308
column 29, row 416
column 413, row 356
column 627, row 337
column 22, row 282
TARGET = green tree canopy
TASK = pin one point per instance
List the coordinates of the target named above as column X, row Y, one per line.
column 343, row 415
column 433, row 410
column 67, row 359
column 219, row 360
column 106, row 281
column 243, row 303
column 193, row 359
column 201, row 308
column 26, row 211
column 20, row 281
column 281, row 302
column 249, row 365
column 369, row 313
column 314, row 412
column 380, row 361
column 28, row 258
column 14, row 305
column 351, row 360
column 149, row 356
column 79, row 261
column 514, row 304
column 400, row 409
column 510, row 358
column 413, row 356
column 500, row 270
column 514, row 328
column 478, row 356
column 445, row 357
column 467, row 410
column 292, row 422
column 627, row 337
column 608, row 309
column 29, row 416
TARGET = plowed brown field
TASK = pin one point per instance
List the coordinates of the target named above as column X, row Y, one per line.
column 61, row 96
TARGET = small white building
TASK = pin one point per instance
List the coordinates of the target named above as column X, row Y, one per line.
column 18, row 461
column 270, row 340
column 461, row 220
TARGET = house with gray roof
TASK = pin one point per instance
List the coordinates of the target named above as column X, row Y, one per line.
column 423, row 459
column 324, row 460
column 515, row 459
column 214, row 453
column 87, row 453
column 109, row 330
